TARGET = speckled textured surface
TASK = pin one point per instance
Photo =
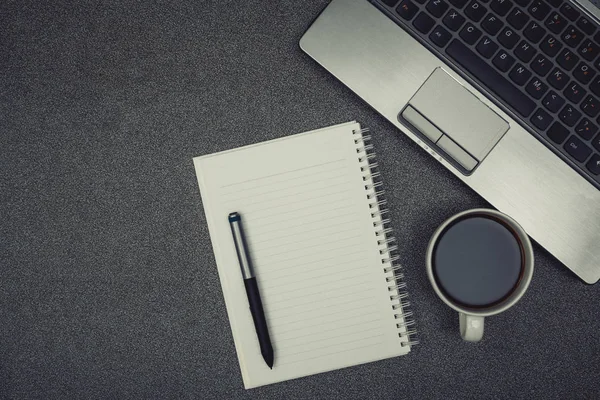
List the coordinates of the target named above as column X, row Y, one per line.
column 108, row 283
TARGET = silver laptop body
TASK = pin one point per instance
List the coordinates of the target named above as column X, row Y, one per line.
column 461, row 126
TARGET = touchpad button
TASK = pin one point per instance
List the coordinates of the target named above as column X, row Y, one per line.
column 458, row 113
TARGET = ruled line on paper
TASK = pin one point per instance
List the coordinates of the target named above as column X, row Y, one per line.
column 311, row 316
column 326, row 338
column 313, row 184
column 256, row 215
column 314, row 291
column 313, row 295
column 310, row 262
column 329, row 273
column 328, row 354
column 289, row 226
column 312, row 300
column 260, row 252
column 281, row 338
column 329, row 266
column 282, row 173
column 298, row 197
column 329, row 346
column 296, row 234
column 317, row 305
column 263, row 264
column 296, row 288
column 322, row 320
column 341, row 232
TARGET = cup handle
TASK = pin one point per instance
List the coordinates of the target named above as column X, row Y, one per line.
column 471, row 327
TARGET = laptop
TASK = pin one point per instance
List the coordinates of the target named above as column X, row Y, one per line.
column 503, row 93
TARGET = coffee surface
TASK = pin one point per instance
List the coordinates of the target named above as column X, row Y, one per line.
column 477, row 262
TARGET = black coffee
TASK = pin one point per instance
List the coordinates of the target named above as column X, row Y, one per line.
column 477, row 261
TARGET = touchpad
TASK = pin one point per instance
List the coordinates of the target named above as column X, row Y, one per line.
column 454, row 119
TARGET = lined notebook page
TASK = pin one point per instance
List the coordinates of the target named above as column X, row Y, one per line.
column 314, row 250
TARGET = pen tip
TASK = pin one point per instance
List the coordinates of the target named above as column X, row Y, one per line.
column 269, row 359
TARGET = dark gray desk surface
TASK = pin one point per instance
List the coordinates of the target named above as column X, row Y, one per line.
column 108, row 283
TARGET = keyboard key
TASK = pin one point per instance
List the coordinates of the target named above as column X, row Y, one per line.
column 553, row 102
column 517, row 18
column 597, row 64
column 453, row 20
column 475, row 11
column 536, row 88
column 595, row 86
column 486, row 47
column 539, row 10
column 503, row 61
column 501, row 6
column 470, row 34
column 572, row 36
column 596, row 142
column 586, row 129
column 594, row 164
column 567, row 59
column 577, row 149
column 583, row 73
column 574, row 92
column 524, row 52
column 551, row 46
column 407, row 10
column 423, row 23
column 541, row 65
column 558, row 79
column 508, row 38
column 555, row 3
column 591, row 106
column 556, row 22
column 569, row 115
column 557, row 133
column 541, row 119
column 534, row 32
column 588, row 50
column 520, row 75
column 491, row 24
column 440, row 36
column 568, row 11
column 586, row 26
column 458, row 3
column 437, row 7
column 522, row 3
column 390, row 3
column 492, row 79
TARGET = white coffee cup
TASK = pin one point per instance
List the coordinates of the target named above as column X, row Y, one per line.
column 471, row 318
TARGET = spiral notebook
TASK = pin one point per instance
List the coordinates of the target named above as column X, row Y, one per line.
column 322, row 252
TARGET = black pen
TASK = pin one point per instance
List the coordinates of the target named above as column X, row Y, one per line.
column 256, row 308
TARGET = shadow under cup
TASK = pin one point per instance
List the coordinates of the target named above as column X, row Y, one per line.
column 478, row 261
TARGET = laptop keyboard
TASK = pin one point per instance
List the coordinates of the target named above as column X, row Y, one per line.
column 539, row 58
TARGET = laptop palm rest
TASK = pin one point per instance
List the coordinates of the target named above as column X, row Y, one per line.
column 454, row 121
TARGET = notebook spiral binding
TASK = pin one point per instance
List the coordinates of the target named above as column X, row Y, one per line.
column 385, row 239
